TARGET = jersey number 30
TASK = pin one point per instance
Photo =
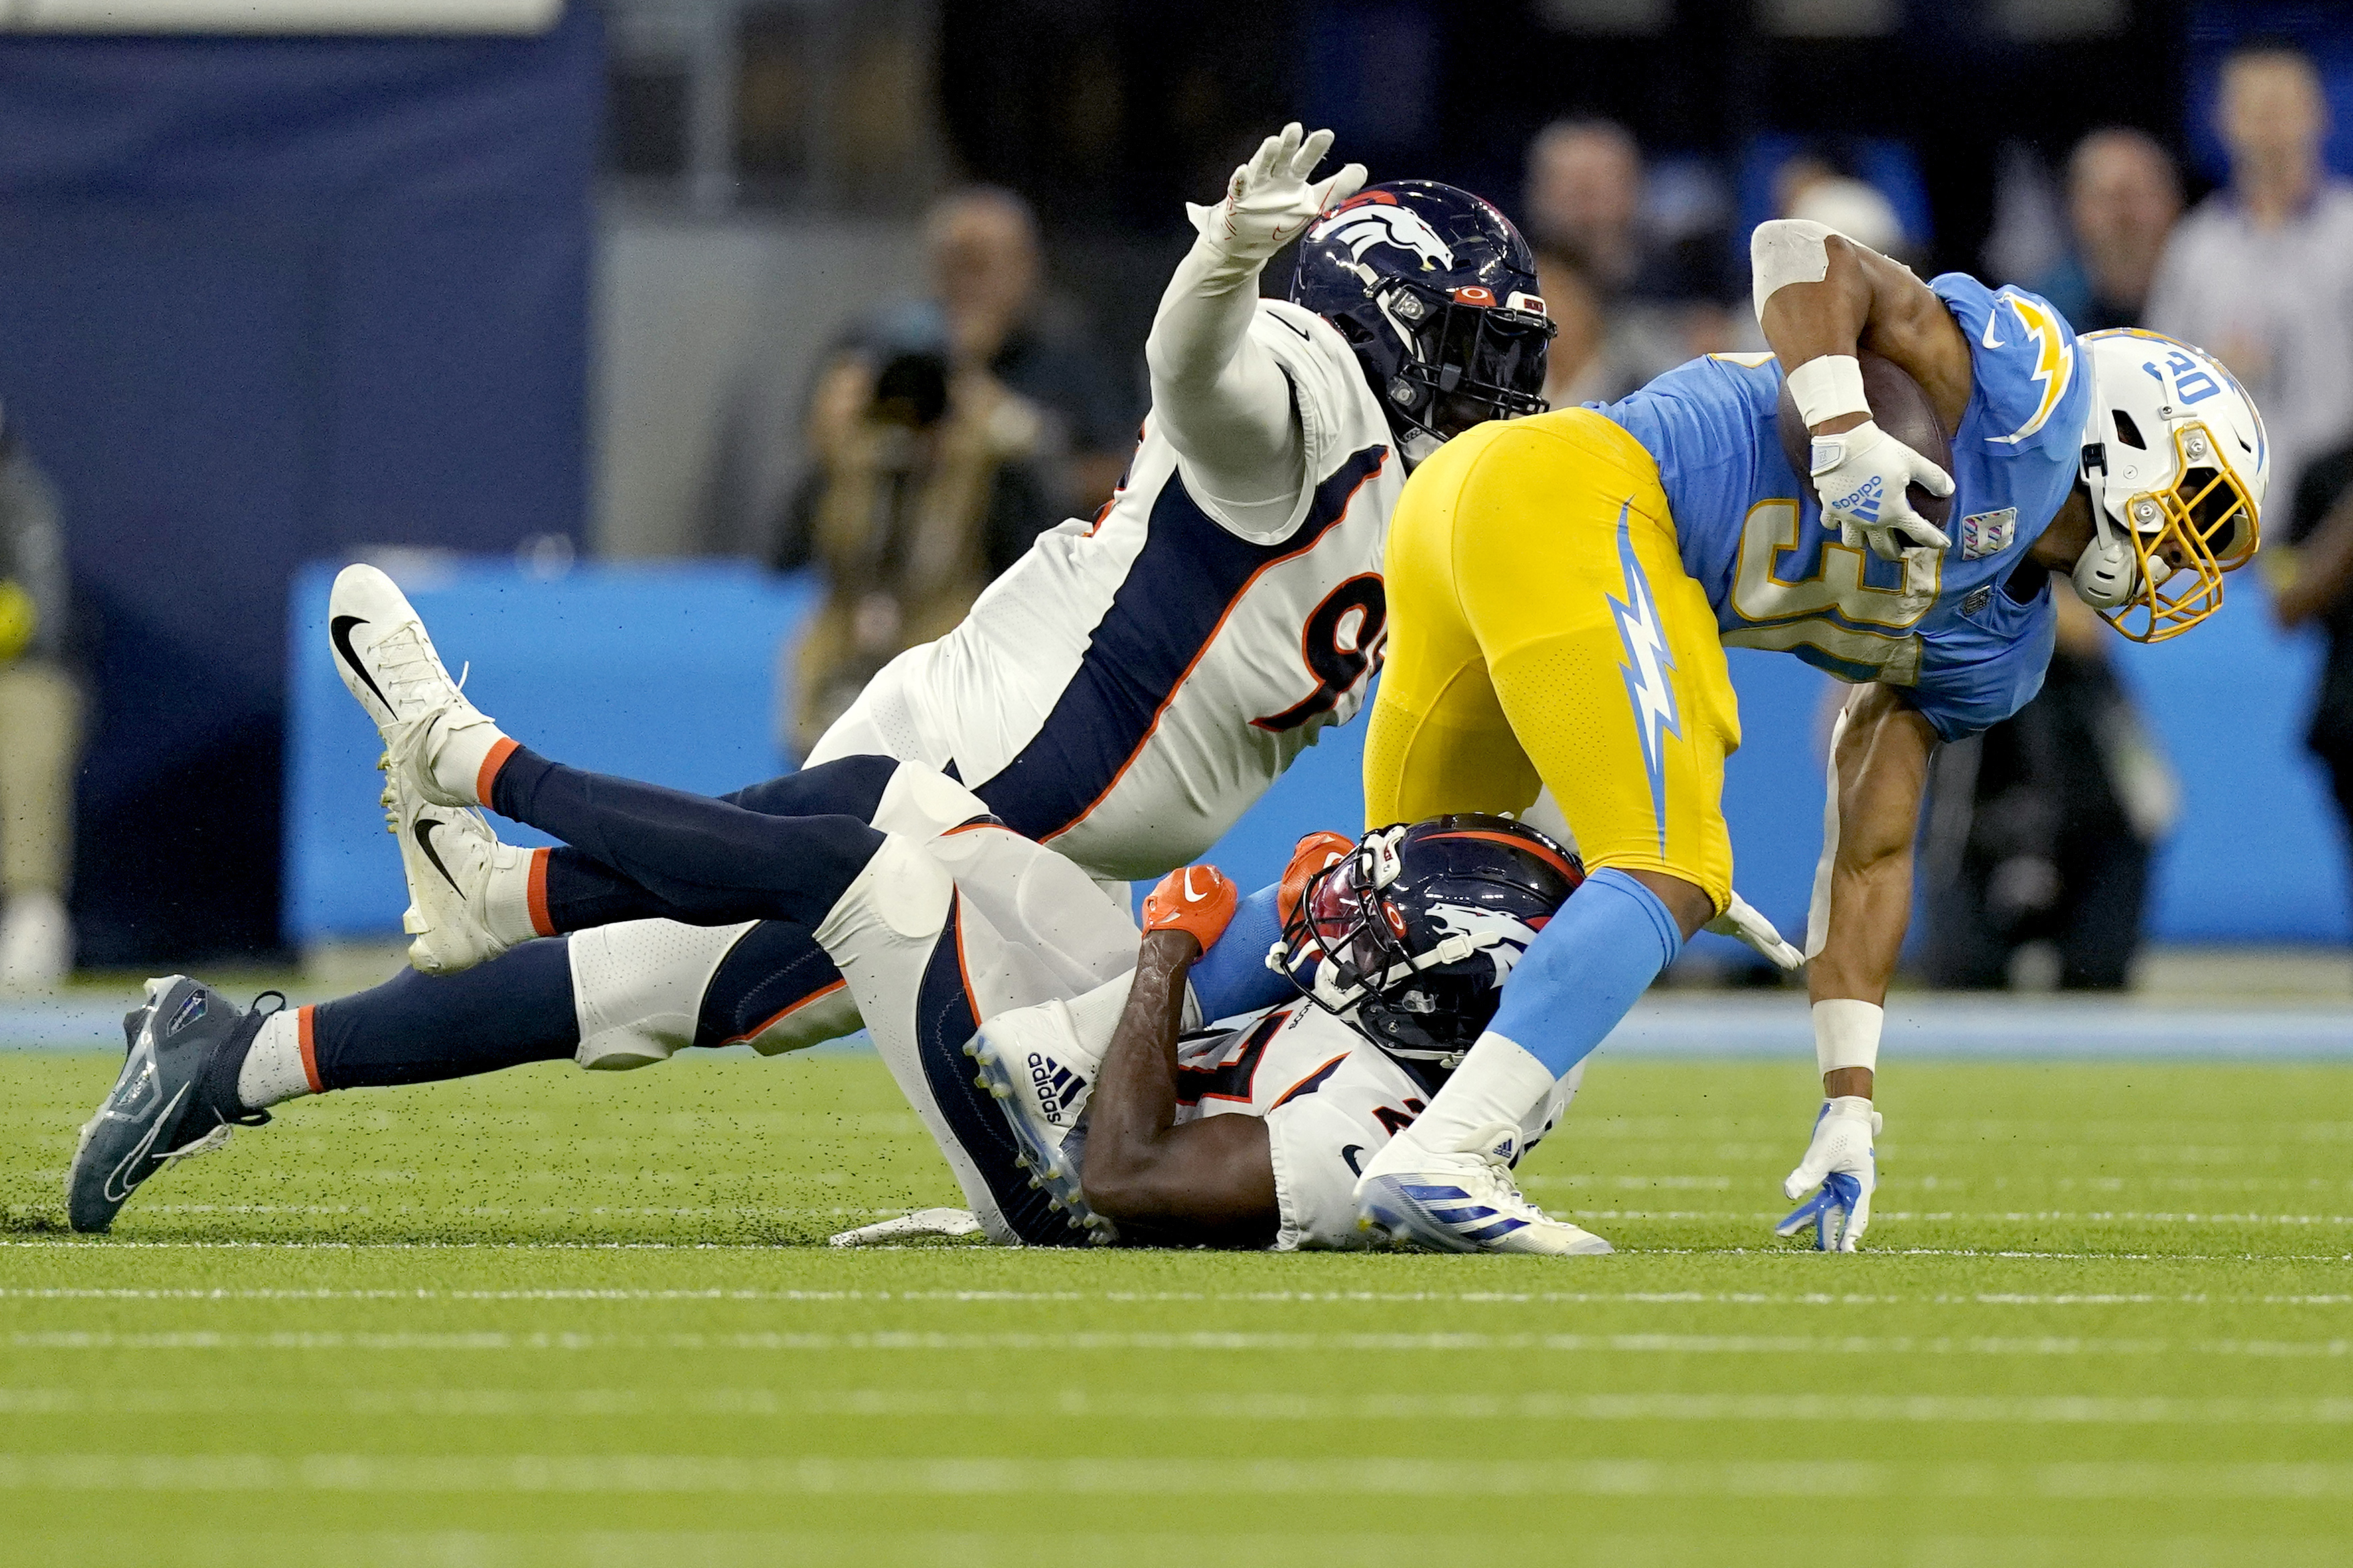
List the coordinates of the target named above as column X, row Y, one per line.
column 1340, row 644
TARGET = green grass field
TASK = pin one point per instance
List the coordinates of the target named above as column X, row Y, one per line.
column 553, row 1317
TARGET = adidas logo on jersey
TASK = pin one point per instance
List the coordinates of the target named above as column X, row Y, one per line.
column 1863, row 502
column 1055, row 1085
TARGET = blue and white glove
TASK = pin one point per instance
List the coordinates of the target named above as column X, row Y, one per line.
column 1860, row 474
column 1840, row 1163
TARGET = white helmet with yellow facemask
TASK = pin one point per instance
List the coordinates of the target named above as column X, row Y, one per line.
column 2176, row 463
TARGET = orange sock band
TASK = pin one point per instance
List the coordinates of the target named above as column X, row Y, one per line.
column 492, row 761
column 309, row 1049
column 537, row 898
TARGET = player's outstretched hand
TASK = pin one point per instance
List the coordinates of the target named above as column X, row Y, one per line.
column 1197, row 900
column 1268, row 201
column 1839, row 1162
column 1860, row 474
column 1745, row 923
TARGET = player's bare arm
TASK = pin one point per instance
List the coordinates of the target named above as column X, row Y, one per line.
column 1879, row 763
column 1820, row 298
column 1209, row 1182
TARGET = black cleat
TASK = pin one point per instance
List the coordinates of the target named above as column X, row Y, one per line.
column 176, row 1098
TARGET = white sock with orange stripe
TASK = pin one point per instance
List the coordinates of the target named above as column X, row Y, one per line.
column 514, row 902
column 279, row 1066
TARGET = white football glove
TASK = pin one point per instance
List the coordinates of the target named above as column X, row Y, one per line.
column 1746, row 925
column 1860, row 474
column 1268, row 201
column 1841, row 1162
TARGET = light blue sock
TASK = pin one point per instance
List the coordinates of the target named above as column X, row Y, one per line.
column 1232, row 976
column 1586, row 968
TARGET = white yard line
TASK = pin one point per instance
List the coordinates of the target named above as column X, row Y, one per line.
column 1209, row 1341
column 1045, row 1403
column 1289, row 1298
column 719, row 1474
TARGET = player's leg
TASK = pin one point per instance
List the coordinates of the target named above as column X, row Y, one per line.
column 1603, row 659
column 1438, row 739
column 928, row 969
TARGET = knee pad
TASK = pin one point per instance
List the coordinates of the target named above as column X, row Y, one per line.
column 636, row 988
column 924, row 802
column 1038, row 898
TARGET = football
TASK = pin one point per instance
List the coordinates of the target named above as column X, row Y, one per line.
column 1901, row 409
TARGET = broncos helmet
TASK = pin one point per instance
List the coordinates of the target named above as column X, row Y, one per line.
column 1409, row 936
column 1437, row 292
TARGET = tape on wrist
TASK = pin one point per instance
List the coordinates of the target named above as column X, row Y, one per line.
column 1846, row 1033
column 1827, row 386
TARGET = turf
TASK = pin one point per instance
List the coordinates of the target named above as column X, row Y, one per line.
column 563, row 1317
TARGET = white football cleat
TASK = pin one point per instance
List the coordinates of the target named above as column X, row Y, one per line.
column 1462, row 1200
column 437, row 740
column 456, row 866
column 1033, row 1063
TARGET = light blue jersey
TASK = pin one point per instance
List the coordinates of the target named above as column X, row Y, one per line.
column 1948, row 632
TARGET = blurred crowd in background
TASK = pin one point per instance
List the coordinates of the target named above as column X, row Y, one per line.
column 994, row 194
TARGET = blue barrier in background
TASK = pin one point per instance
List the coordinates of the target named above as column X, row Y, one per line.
column 668, row 673
column 665, row 673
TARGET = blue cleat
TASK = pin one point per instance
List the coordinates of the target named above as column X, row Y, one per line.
column 176, row 1098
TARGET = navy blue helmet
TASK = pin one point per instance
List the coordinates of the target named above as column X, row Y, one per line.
column 1437, row 292
column 1409, row 935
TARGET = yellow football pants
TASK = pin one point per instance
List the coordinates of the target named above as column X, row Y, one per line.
column 1543, row 630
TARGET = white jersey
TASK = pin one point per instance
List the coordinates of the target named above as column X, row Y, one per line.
column 1132, row 685
column 1330, row 1098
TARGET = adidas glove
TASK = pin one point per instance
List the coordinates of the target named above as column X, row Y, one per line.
column 1844, row 1164
column 1196, row 899
column 1268, row 201
column 1743, row 922
column 1860, row 474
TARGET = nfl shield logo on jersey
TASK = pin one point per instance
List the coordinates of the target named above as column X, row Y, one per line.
column 1989, row 533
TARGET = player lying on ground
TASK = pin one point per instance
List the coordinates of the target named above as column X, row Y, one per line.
column 1562, row 590
column 930, row 954
column 1135, row 682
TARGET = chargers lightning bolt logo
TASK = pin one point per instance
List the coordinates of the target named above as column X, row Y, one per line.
column 2055, row 359
column 1646, row 667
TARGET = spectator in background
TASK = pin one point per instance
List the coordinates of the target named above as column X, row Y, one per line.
column 926, row 486
column 1623, row 317
column 2261, row 273
column 2040, row 831
column 2123, row 198
column 987, row 295
column 40, row 729
column 988, row 270
column 2315, row 583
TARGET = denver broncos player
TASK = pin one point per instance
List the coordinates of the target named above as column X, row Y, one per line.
column 1562, row 589
column 942, row 921
column 1135, row 682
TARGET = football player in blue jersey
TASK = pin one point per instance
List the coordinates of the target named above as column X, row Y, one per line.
column 1562, row 588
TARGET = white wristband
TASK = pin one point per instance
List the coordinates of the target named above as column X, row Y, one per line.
column 1825, row 387
column 1846, row 1033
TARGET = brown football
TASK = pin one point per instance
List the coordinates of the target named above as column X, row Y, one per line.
column 1900, row 408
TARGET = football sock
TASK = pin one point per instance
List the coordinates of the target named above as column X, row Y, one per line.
column 515, row 1008
column 1232, row 976
column 708, row 862
column 1587, row 967
column 577, row 891
column 274, row 1068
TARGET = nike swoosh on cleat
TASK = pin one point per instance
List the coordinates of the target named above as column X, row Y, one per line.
column 424, row 827
column 140, row 1149
column 340, row 631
